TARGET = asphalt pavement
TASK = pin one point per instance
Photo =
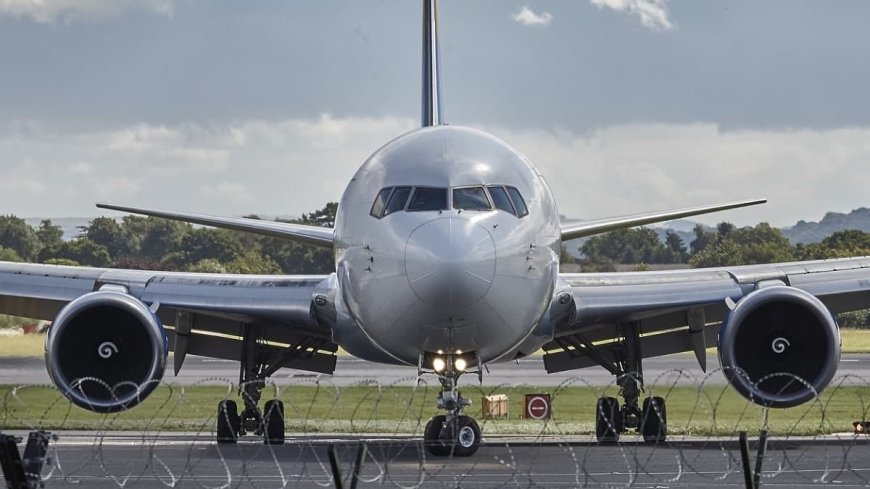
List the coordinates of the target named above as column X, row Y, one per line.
column 112, row 460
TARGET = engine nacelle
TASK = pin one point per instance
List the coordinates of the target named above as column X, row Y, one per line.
column 106, row 351
column 779, row 347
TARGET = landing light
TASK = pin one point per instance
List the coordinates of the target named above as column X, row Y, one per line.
column 460, row 364
column 438, row 364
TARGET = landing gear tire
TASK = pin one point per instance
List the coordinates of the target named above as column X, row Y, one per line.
column 228, row 422
column 273, row 419
column 467, row 439
column 608, row 420
column 433, row 439
column 654, row 421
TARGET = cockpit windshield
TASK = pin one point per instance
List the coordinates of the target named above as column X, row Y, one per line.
column 475, row 198
column 428, row 199
column 471, row 199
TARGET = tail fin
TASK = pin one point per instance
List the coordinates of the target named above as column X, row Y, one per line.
column 431, row 82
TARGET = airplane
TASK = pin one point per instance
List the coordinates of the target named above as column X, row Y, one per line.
column 446, row 246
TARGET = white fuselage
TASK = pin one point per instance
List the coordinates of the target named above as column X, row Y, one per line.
column 446, row 280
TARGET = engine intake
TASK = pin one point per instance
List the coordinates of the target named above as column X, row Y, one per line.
column 779, row 347
column 106, row 351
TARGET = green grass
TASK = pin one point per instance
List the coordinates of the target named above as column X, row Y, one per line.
column 22, row 345
column 712, row 410
column 855, row 340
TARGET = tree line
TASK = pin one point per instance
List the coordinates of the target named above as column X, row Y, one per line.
column 725, row 245
column 150, row 243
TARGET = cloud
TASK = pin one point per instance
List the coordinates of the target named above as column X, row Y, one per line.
column 527, row 17
column 53, row 11
column 283, row 167
column 633, row 168
column 652, row 13
column 290, row 166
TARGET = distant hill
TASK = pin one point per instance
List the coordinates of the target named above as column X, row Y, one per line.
column 813, row 232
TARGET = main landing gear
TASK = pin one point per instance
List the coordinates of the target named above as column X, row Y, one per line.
column 258, row 362
column 650, row 420
column 452, row 433
column 252, row 379
column 622, row 358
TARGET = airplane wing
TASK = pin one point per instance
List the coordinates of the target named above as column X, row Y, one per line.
column 683, row 310
column 204, row 314
column 313, row 235
column 581, row 229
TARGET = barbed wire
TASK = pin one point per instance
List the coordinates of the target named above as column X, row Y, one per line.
column 169, row 440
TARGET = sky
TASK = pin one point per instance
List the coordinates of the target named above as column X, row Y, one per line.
column 269, row 107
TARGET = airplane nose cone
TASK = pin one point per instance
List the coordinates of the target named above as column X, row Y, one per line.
column 450, row 262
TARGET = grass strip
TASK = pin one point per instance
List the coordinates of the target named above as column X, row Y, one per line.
column 32, row 345
column 705, row 411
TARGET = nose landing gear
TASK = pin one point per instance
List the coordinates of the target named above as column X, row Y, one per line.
column 453, row 433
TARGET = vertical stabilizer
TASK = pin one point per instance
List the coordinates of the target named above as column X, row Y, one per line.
column 431, row 83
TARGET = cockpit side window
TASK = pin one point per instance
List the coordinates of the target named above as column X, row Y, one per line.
column 380, row 202
column 428, row 199
column 470, row 199
column 518, row 201
column 500, row 199
column 398, row 200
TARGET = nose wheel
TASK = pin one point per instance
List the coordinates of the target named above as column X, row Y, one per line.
column 459, row 436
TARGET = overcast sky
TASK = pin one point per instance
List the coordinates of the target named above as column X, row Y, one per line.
column 269, row 107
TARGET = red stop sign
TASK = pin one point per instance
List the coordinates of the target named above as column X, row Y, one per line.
column 538, row 406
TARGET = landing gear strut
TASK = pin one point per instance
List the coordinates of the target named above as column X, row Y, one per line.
column 650, row 420
column 268, row 423
column 453, row 433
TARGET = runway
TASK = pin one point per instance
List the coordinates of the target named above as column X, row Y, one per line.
column 682, row 369
column 111, row 460
column 190, row 460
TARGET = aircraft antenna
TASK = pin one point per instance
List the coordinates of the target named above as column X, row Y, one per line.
column 431, row 79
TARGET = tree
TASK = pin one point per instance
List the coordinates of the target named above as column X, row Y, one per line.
column 323, row 217
column 49, row 235
column 17, row 235
column 157, row 237
column 107, row 232
column 253, row 263
column 675, row 247
column 626, row 246
column 81, row 251
column 564, row 256
column 703, row 238
column 203, row 243
column 8, row 254
column 842, row 244
column 745, row 246
column 209, row 265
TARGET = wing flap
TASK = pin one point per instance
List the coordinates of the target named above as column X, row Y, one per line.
column 652, row 345
column 228, row 348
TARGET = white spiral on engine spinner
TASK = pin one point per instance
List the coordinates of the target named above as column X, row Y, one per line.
column 779, row 344
column 107, row 349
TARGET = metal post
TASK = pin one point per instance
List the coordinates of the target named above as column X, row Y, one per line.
column 744, row 457
column 333, row 463
column 759, row 459
column 357, row 465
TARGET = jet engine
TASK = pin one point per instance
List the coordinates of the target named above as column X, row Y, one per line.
column 106, row 351
column 779, row 346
